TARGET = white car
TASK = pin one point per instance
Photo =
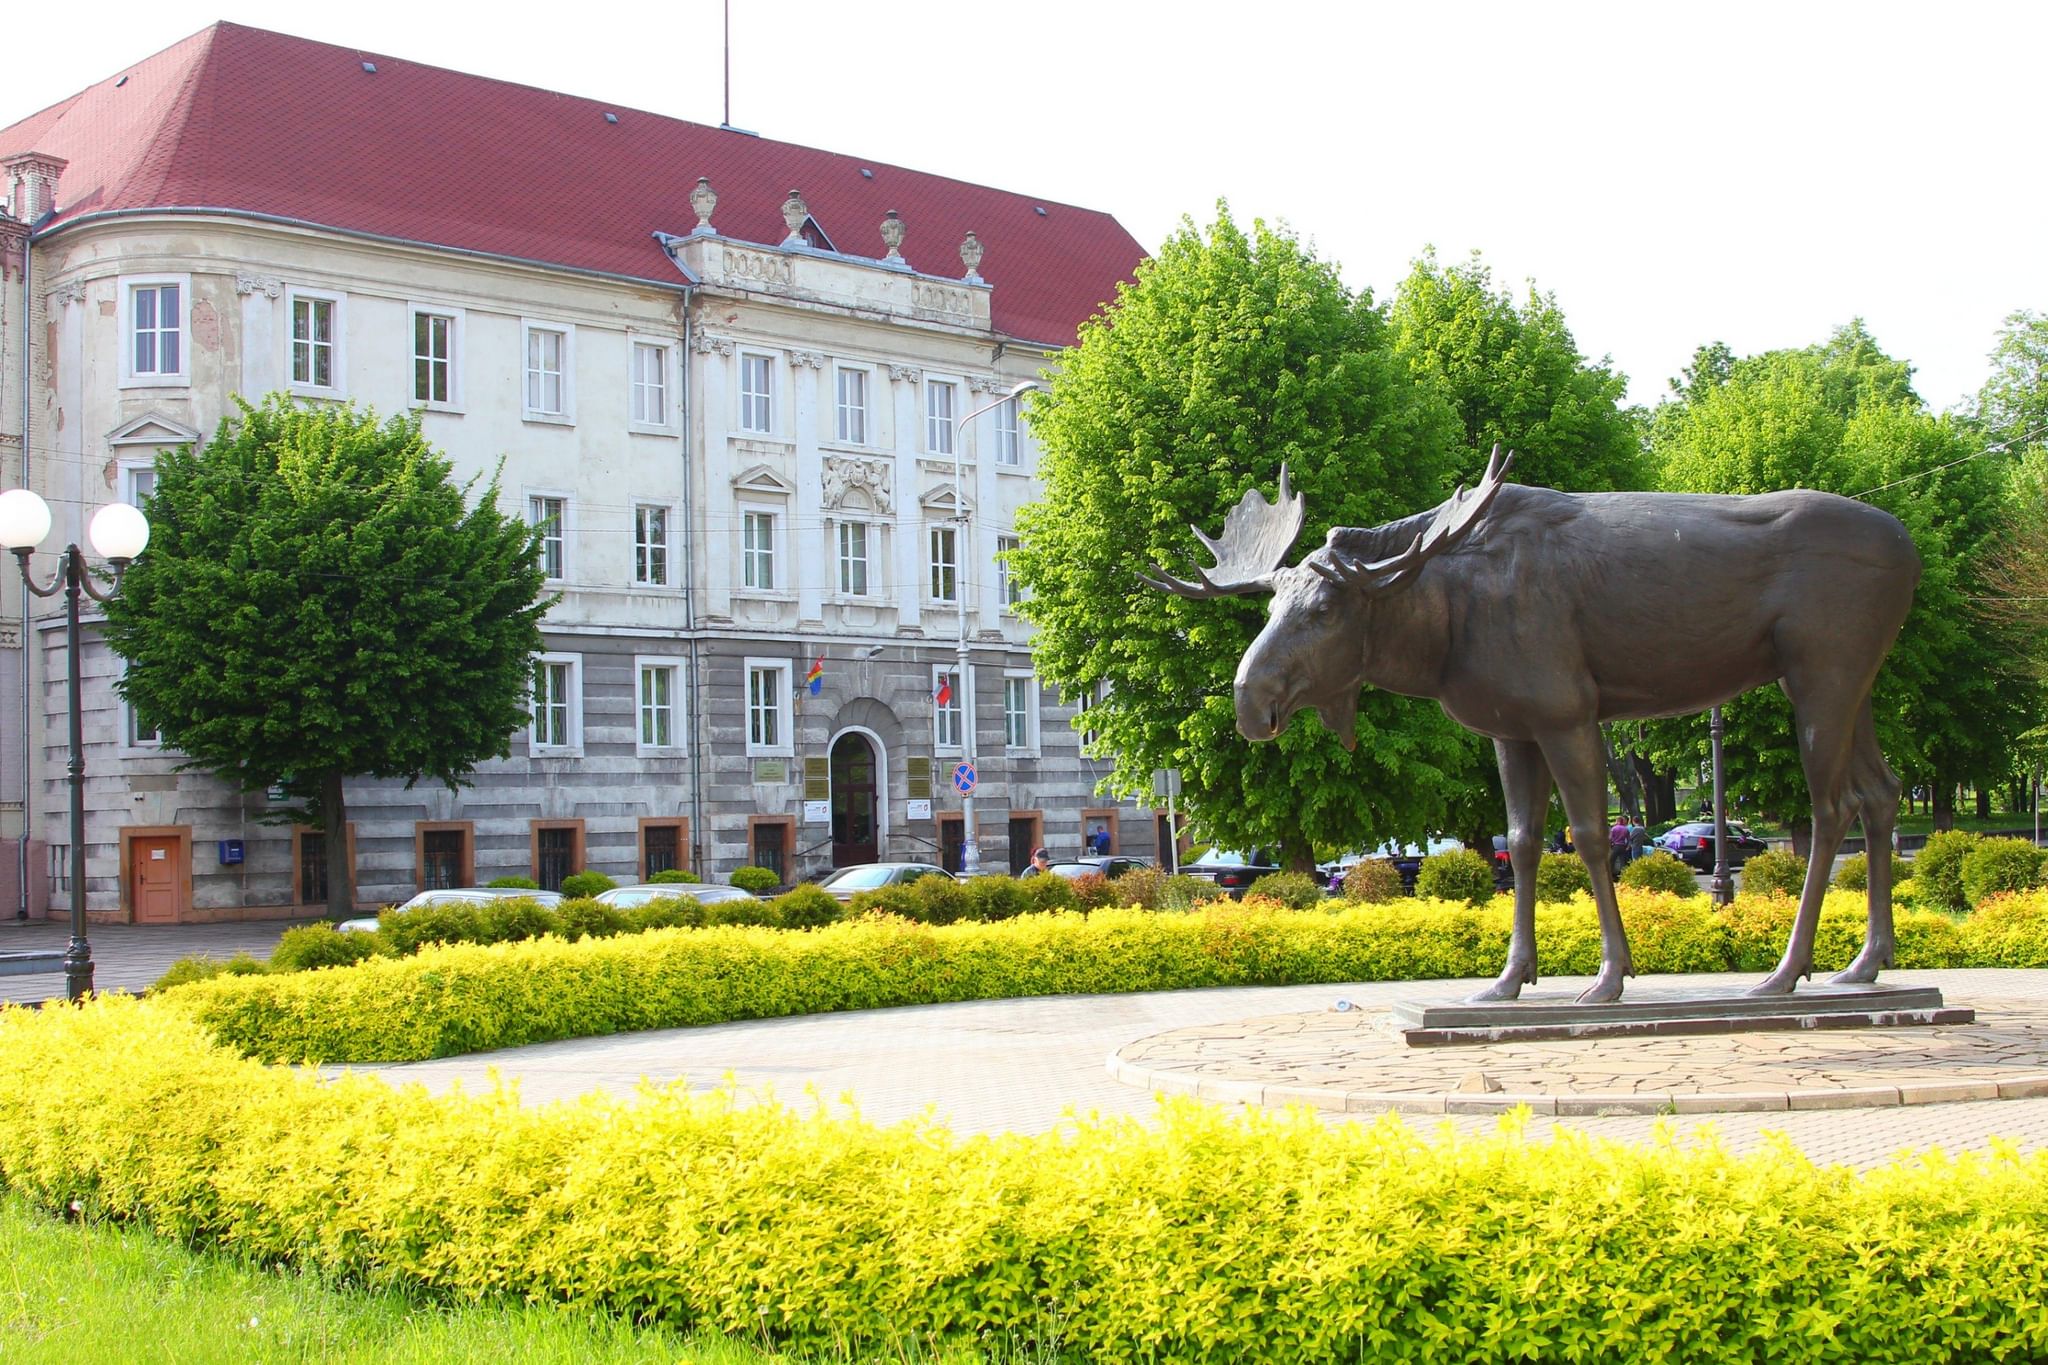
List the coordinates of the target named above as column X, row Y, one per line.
column 624, row 897
column 474, row 895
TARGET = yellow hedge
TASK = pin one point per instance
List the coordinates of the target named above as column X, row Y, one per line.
column 470, row 998
column 1206, row 1237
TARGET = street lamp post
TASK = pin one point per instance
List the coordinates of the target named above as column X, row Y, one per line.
column 1722, row 888
column 119, row 532
column 970, row 843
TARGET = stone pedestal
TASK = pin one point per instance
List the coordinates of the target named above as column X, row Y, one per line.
column 1651, row 1013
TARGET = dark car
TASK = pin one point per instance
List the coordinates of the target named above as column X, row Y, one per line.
column 1109, row 865
column 1234, row 872
column 849, row 882
column 1693, row 844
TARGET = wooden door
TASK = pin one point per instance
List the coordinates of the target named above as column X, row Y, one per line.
column 855, row 837
column 154, row 880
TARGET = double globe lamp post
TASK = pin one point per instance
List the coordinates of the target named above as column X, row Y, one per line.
column 119, row 533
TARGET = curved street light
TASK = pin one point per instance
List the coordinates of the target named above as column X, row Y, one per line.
column 119, row 533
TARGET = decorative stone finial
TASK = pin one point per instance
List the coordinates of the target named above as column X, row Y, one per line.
column 794, row 212
column 970, row 256
column 892, row 237
column 704, row 200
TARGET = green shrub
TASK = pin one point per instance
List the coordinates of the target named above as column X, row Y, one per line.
column 901, row 901
column 673, row 875
column 2000, row 865
column 407, row 931
column 513, row 919
column 942, row 900
column 754, row 879
column 583, row 885
column 1295, row 890
column 1139, row 887
column 1660, row 872
column 1854, row 873
column 997, row 898
column 590, row 919
column 1091, row 890
column 1373, row 881
column 202, row 967
column 664, row 912
column 1559, row 876
column 514, row 883
column 754, row 912
column 1049, row 893
column 1938, row 870
column 1184, row 892
column 1456, row 875
column 321, row 945
column 1774, row 874
column 807, row 907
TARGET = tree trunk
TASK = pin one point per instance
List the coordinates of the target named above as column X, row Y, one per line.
column 341, row 891
column 1983, row 803
column 1622, row 772
column 1660, row 791
column 1943, row 793
column 1802, row 838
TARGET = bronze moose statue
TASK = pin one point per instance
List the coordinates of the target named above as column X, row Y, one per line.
column 1506, row 605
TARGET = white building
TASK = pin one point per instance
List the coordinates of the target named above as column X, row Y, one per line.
column 738, row 406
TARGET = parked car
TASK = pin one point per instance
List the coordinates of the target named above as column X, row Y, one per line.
column 1406, row 858
column 1109, row 865
column 1234, row 872
column 849, row 882
column 1693, row 844
column 625, row 897
column 450, row 895
column 1503, row 865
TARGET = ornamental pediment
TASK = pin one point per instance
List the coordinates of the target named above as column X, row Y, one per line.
column 152, row 429
column 761, row 479
column 940, row 501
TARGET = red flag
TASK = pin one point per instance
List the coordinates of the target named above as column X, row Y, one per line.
column 944, row 694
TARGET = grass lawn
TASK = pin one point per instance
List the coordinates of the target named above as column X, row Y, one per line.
column 89, row 1292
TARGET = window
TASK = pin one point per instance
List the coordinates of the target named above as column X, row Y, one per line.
column 945, row 562
column 768, row 707
column 444, row 855
column 433, row 357
column 757, row 550
column 757, row 393
column 153, row 310
column 557, row 853
column 550, row 352
column 1020, row 712
column 650, row 545
column 853, row 558
column 557, row 704
column 138, row 484
column 650, row 384
column 140, row 731
column 853, row 407
column 1009, row 438
column 1086, row 702
column 938, row 416
column 316, row 340
column 550, row 513
column 1007, row 591
column 947, row 707
column 660, row 704
column 312, row 867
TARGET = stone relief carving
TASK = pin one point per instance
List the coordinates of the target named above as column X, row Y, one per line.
column 977, row 383
column 10, row 636
column 71, row 292
column 908, row 374
column 814, row 359
column 758, row 265
column 259, row 284
column 937, row 298
column 844, row 474
column 708, row 344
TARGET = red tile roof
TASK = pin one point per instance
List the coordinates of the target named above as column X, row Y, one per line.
column 247, row 120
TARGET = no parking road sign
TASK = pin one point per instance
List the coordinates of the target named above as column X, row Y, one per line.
column 963, row 778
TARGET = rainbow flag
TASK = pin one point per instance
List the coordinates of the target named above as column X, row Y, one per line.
column 815, row 679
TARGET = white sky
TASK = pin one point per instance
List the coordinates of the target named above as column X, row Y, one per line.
column 1756, row 173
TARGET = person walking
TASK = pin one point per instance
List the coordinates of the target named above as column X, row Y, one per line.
column 1617, row 845
column 1638, row 838
column 1041, row 861
column 1099, row 841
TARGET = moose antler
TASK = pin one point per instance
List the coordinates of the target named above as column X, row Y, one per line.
column 1454, row 519
column 1257, row 536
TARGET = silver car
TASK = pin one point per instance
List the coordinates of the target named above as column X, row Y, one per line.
column 625, row 897
column 452, row 895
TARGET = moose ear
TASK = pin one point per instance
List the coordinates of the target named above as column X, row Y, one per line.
column 1341, row 718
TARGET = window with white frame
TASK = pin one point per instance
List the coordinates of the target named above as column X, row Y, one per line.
column 550, row 512
column 153, row 311
column 141, row 733
column 939, row 413
column 852, row 427
column 757, row 393
column 435, row 335
column 650, row 544
column 853, row 558
column 315, row 339
column 1007, row 591
column 138, row 482
column 945, row 563
column 1009, row 434
column 660, row 697
column 948, row 707
column 757, row 550
column 557, row 704
column 768, row 729
column 650, row 384
column 550, row 355
column 1086, row 702
column 1020, row 712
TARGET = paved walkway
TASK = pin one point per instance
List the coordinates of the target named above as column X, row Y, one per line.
column 128, row 957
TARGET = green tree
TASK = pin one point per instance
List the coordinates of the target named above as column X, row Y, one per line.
column 2012, row 407
column 1230, row 353
column 320, row 601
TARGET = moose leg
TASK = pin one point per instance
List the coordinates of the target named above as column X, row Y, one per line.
column 1875, row 789
column 1525, row 782
column 1824, row 718
column 1579, row 762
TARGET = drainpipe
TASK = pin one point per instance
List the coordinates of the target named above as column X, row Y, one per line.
column 27, row 740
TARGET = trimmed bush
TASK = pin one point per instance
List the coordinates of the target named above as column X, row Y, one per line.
column 1995, row 866
column 514, row 883
column 582, row 885
column 901, row 901
column 665, row 912
column 1138, row 887
column 1938, row 869
column 1049, row 893
column 321, row 945
column 1373, row 881
column 1295, row 890
column 407, row 931
column 805, row 907
column 1559, row 877
column 1768, row 874
column 754, row 879
column 202, row 967
column 513, row 919
column 1091, row 890
column 1184, row 892
column 1455, row 875
column 754, row 912
column 673, row 875
column 591, row 919
column 942, row 900
column 1854, row 873
column 997, row 898
column 1661, row 872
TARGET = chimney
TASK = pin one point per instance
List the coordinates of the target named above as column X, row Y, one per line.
column 32, row 178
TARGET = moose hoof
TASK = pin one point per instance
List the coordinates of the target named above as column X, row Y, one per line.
column 1864, row 969
column 1780, row 982
column 1606, row 987
column 1509, row 987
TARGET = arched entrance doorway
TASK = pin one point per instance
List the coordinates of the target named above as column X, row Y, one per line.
column 854, row 835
